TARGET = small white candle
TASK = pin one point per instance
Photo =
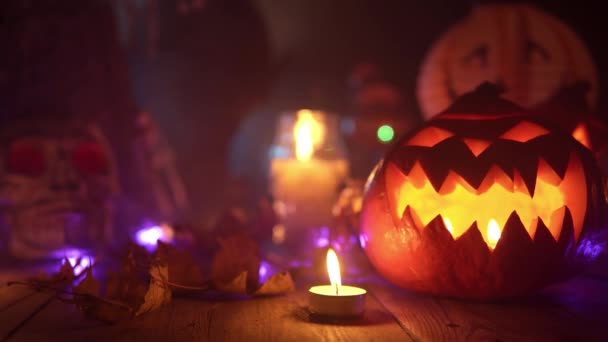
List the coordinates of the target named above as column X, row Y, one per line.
column 336, row 300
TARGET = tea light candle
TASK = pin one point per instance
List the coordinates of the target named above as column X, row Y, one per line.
column 336, row 300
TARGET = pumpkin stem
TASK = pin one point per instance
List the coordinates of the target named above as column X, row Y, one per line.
column 484, row 100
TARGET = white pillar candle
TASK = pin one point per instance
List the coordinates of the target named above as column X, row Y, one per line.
column 306, row 178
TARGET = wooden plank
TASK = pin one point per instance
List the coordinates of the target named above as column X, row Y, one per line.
column 19, row 304
column 287, row 319
column 584, row 297
column 199, row 319
column 10, row 296
column 441, row 319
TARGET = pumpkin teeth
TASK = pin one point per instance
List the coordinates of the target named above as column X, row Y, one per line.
column 514, row 232
column 556, row 158
column 567, row 231
column 542, row 233
column 529, row 176
column 454, row 200
column 536, row 230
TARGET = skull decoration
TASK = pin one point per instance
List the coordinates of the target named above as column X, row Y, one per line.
column 482, row 202
column 57, row 179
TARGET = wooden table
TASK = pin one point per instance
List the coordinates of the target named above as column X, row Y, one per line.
column 575, row 311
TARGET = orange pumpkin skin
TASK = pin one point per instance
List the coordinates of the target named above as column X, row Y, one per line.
column 569, row 110
column 483, row 159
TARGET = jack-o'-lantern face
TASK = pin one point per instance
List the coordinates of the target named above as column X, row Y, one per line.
column 471, row 204
column 530, row 53
column 484, row 177
column 57, row 181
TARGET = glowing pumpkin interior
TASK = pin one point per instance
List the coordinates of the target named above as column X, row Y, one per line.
column 581, row 135
column 489, row 205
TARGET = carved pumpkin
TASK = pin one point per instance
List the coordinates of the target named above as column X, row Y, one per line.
column 481, row 202
column 568, row 109
column 528, row 52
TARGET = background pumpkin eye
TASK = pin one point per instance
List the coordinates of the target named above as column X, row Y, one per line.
column 25, row 158
column 534, row 53
column 478, row 57
column 90, row 159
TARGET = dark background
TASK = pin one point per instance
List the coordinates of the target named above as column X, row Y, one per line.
column 214, row 67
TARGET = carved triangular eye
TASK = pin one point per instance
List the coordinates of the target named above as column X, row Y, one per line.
column 581, row 135
column 429, row 137
column 524, row 131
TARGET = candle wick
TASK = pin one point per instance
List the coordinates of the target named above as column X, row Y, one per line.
column 336, row 289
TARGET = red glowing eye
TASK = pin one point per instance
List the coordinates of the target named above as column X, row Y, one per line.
column 90, row 159
column 25, row 158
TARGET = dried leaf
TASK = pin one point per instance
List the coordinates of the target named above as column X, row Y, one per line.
column 237, row 285
column 89, row 285
column 130, row 284
column 139, row 286
column 238, row 253
column 158, row 291
column 101, row 309
column 277, row 284
column 87, row 299
column 108, row 311
column 183, row 268
column 63, row 277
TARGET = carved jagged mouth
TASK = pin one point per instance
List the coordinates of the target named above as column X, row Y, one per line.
column 496, row 198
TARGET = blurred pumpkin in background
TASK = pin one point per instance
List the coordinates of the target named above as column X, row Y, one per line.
column 530, row 53
column 378, row 114
column 568, row 108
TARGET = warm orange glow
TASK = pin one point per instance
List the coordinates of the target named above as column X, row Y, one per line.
column 333, row 269
column 496, row 198
column 448, row 225
column 524, row 131
column 581, row 135
column 476, row 146
column 308, row 133
column 429, row 137
column 493, row 233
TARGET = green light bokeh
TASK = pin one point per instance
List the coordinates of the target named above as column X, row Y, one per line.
column 385, row 133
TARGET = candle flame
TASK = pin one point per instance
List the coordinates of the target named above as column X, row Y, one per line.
column 493, row 233
column 448, row 225
column 308, row 134
column 333, row 269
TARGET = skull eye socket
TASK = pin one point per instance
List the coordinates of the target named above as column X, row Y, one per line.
column 90, row 159
column 25, row 158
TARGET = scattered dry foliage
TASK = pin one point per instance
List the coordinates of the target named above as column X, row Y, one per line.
column 144, row 281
